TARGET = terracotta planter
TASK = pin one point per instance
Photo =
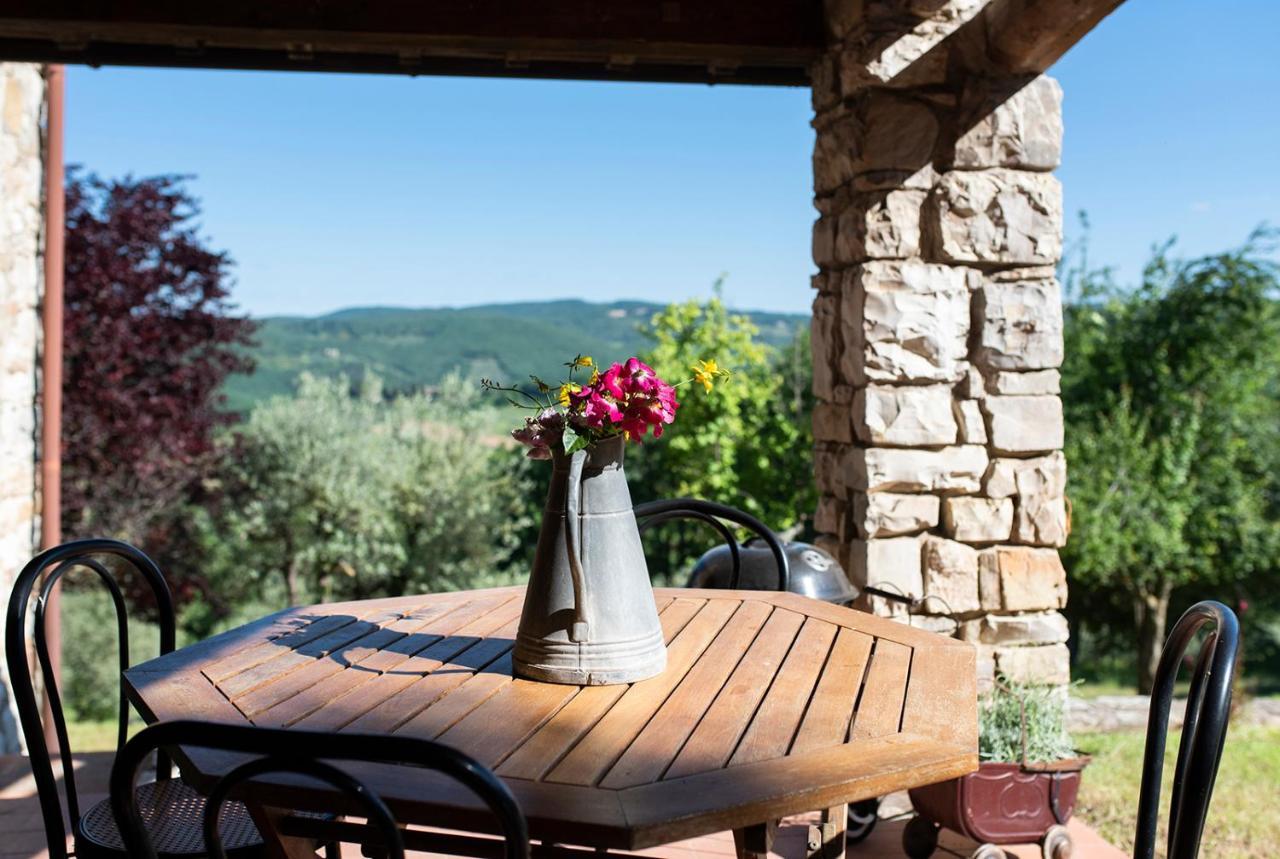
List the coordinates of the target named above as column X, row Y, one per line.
column 1001, row 803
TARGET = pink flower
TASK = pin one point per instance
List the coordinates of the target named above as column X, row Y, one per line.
column 597, row 408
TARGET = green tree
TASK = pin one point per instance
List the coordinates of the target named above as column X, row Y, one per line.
column 1172, row 416
column 332, row 496
column 747, row 442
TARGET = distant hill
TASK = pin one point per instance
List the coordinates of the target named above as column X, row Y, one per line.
column 412, row 348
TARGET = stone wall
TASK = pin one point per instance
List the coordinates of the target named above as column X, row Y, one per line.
column 21, row 276
column 937, row 332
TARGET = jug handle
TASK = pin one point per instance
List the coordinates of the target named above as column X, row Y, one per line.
column 580, row 630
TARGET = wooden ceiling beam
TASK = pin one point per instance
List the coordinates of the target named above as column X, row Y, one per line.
column 670, row 40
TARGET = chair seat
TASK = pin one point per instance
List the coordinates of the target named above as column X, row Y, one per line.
column 174, row 816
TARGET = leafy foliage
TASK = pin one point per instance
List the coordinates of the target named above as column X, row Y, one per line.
column 91, row 670
column 1173, row 415
column 1000, row 715
column 330, row 496
column 150, row 336
column 747, row 443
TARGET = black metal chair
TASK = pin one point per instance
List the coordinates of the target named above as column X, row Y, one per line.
column 1204, row 730
column 715, row 515
column 94, row 833
column 277, row 751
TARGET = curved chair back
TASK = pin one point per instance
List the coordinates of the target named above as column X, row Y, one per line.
column 279, row 750
column 1204, row 730
column 715, row 515
column 39, row 576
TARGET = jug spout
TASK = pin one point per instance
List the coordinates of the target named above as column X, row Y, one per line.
column 589, row 615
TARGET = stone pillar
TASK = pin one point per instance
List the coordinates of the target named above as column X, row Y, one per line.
column 21, row 276
column 937, row 333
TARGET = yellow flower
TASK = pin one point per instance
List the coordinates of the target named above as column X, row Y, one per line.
column 566, row 390
column 705, row 372
column 585, row 361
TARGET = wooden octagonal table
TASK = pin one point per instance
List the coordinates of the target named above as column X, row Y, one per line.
column 771, row 704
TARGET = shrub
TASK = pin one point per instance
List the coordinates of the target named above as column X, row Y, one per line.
column 334, row 496
column 1000, row 723
column 90, row 667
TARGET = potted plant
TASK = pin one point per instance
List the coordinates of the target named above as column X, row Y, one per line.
column 589, row 616
column 1025, row 788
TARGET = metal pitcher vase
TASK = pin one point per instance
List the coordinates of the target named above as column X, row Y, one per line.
column 589, row 615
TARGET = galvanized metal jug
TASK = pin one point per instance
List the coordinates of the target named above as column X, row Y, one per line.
column 589, row 615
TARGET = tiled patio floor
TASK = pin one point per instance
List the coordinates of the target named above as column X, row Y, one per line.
column 21, row 835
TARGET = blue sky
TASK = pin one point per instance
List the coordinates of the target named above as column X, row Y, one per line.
column 331, row 191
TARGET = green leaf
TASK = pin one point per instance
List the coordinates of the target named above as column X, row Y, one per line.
column 575, row 441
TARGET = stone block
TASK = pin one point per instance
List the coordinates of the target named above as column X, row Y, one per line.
column 824, row 337
column 1017, row 578
column 878, row 131
column 955, row 470
column 832, row 422
column 891, row 514
column 1024, row 424
column 904, row 322
column 829, row 469
column 892, row 565
column 901, row 52
column 1048, row 627
column 1041, row 520
column 1017, row 123
column 879, row 225
column 1008, row 217
column 909, row 415
column 971, row 426
column 1049, row 664
column 1035, row 382
column 1018, row 325
column 978, row 520
column 824, row 241
column 1042, row 475
column 950, row 573
column 829, row 516
column 824, row 83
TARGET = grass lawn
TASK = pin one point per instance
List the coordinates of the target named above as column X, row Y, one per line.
column 1242, row 821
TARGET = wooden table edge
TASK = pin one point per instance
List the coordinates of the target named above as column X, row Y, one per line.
column 944, row 761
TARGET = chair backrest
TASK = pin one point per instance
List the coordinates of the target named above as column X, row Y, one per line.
column 656, row 512
column 1204, row 730
column 39, row 576
column 277, row 750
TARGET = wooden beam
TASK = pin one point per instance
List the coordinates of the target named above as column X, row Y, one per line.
column 677, row 40
column 1028, row 36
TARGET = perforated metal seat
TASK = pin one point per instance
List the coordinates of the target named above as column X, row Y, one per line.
column 173, row 814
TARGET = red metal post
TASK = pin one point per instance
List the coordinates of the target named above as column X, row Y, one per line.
column 51, row 359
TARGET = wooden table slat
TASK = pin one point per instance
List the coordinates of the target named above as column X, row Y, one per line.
column 400, row 653
column 592, row 757
column 552, row 740
column 302, row 692
column 649, row 755
column 826, row 720
column 291, row 683
column 380, row 700
column 777, row 719
column 880, row 708
column 417, row 693
column 288, row 660
column 312, row 628
column 717, row 734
